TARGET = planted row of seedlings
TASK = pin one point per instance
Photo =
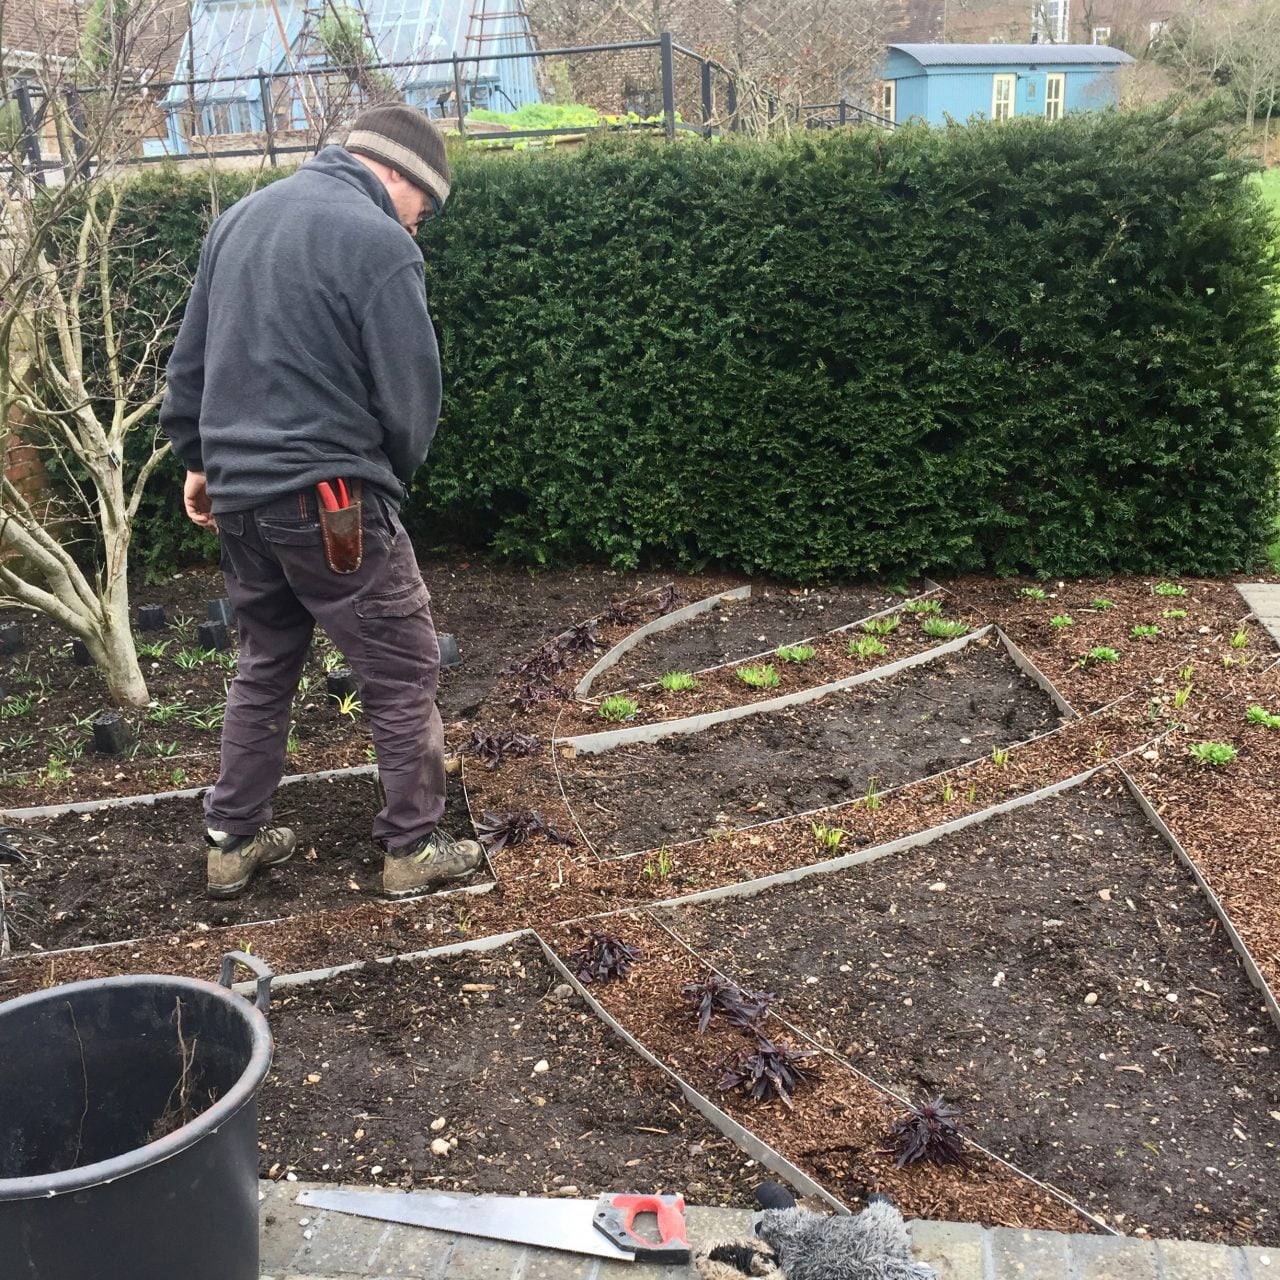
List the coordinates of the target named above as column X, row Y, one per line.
column 1098, row 638
column 915, row 628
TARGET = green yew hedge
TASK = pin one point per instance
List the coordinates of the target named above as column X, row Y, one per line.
column 1019, row 347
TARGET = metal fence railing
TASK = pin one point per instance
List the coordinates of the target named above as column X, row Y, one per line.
column 283, row 113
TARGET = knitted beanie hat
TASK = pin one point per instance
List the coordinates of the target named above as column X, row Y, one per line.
column 401, row 136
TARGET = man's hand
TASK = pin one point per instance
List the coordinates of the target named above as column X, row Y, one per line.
column 195, row 497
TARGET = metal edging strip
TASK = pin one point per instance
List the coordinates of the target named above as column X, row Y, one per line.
column 881, row 1088
column 1255, row 974
column 596, row 743
column 676, row 616
column 726, row 1124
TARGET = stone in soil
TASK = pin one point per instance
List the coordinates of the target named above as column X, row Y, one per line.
column 821, row 753
column 368, row 1063
column 1153, row 1104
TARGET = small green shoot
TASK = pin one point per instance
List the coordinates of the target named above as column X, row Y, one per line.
column 678, row 682
column 190, row 659
column 1033, row 593
column 948, row 793
column 943, row 629
column 1215, row 753
column 178, row 777
column 1260, row 715
column 1060, row 620
column 1144, row 631
column 14, row 705
column 162, row 748
column 660, row 867
column 826, row 837
column 349, row 705
column 1174, row 613
column 1240, row 639
column 1102, row 603
column 795, row 652
column 1181, row 697
column 1169, row 589
column 153, row 648
column 872, row 800
column 866, row 647
column 972, row 794
column 761, row 676
column 618, row 707
column 1185, row 673
column 922, row 606
column 1101, row 653
column 882, row 626
column 999, row 757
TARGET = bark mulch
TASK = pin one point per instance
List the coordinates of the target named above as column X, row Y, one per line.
column 1055, row 971
column 489, row 1058
column 835, row 1129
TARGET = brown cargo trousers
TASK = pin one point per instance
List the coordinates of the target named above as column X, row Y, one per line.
column 380, row 619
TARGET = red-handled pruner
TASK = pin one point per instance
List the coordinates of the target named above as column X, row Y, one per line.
column 615, row 1215
column 328, row 499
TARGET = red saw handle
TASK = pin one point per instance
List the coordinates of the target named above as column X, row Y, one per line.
column 615, row 1216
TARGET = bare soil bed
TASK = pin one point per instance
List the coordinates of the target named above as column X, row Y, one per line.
column 821, row 753
column 135, row 871
column 536, row 1095
column 1056, row 972
column 738, row 629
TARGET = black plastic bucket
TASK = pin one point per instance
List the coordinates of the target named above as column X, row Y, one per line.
column 96, row 1182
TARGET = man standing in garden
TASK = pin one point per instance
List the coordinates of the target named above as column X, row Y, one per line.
column 303, row 394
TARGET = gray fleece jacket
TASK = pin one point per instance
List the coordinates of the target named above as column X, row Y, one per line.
column 306, row 351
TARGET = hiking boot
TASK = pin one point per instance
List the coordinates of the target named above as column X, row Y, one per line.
column 433, row 860
column 234, row 859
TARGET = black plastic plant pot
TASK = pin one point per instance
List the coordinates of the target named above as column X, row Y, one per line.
column 151, row 617
column 221, row 611
column 99, row 1179
column 112, row 733
column 11, row 640
column 80, row 654
column 213, row 635
column 450, row 655
column 340, row 683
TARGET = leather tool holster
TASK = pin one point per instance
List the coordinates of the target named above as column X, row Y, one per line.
column 343, row 533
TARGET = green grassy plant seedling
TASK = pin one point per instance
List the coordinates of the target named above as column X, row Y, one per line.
column 795, row 652
column 616, row 707
column 1062, row 620
column 972, row 794
column 999, row 757
column 1185, row 673
column 942, row 629
column 1033, row 593
column 661, row 866
column 1174, row 613
column 1240, row 639
column 349, row 705
column 1169, row 589
column 872, row 799
column 763, row 676
column 882, row 626
column 866, row 647
column 678, row 682
column 1101, row 653
column 922, row 606
column 1260, row 715
column 1145, row 631
column 948, row 793
column 826, row 837
column 1215, row 753
column 1102, row 603
column 1181, row 698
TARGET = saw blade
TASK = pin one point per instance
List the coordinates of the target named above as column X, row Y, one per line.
column 546, row 1224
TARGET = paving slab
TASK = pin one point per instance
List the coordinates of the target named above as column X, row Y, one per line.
column 1263, row 600
column 337, row 1246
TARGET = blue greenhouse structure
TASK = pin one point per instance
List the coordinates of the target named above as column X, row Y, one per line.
column 244, row 59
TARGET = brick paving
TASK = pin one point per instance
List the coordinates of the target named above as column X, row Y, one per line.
column 305, row 1244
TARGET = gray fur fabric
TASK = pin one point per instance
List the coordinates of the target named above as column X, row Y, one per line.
column 873, row 1245
column 735, row 1259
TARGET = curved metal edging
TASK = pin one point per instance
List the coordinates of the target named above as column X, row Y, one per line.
column 594, row 743
column 1255, row 974
column 676, row 616
column 187, row 793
